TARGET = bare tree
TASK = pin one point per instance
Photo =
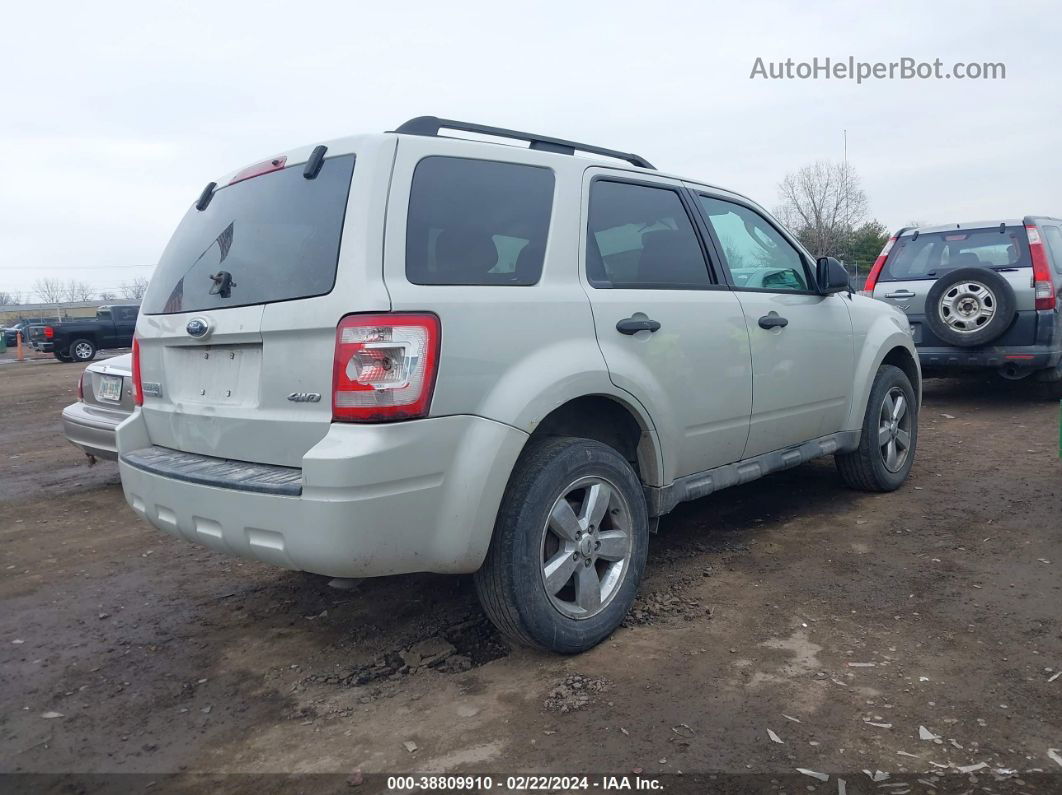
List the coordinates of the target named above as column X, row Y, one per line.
column 50, row 290
column 134, row 290
column 107, row 295
column 9, row 298
column 821, row 204
column 79, row 291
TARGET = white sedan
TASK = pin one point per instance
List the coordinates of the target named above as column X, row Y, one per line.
column 104, row 399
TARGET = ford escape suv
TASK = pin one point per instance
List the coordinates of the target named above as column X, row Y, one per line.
column 979, row 295
column 415, row 352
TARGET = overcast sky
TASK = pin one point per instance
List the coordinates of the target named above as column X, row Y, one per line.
column 113, row 115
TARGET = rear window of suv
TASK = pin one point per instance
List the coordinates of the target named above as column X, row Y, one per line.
column 933, row 254
column 277, row 235
column 477, row 222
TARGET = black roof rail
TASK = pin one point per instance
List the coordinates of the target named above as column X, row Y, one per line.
column 430, row 125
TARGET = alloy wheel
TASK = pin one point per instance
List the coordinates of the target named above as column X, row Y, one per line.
column 586, row 547
column 894, row 429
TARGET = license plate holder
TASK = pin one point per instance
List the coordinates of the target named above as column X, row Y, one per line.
column 109, row 388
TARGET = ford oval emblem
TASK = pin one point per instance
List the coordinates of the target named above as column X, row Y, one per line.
column 197, row 327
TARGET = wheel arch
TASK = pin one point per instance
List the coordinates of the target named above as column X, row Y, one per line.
column 612, row 421
column 900, row 357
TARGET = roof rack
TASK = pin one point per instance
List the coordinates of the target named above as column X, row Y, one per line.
column 430, row 125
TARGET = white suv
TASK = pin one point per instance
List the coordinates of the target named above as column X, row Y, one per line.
column 409, row 352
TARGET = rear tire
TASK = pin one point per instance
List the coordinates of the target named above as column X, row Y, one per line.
column 889, row 437
column 63, row 357
column 1049, row 383
column 569, row 546
column 82, row 350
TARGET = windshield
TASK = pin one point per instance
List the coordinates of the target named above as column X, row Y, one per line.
column 273, row 237
column 931, row 255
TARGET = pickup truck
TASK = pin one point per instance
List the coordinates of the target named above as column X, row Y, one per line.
column 78, row 339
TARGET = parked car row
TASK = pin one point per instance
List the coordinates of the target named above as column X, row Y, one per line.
column 79, row 339
column 512, row 361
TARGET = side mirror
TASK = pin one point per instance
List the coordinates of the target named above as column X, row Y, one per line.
column 832, row 277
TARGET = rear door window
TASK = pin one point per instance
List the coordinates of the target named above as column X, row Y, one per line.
column 477, row 222
column 641, row 237
column 276, row 236
column 933, row 254
column 1053, row 236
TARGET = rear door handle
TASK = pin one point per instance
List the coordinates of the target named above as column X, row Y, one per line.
column 632, row 325
column 900, row 294
column 773, row 320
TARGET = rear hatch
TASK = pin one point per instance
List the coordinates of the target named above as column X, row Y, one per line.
column 918, row 259
column 237, row 329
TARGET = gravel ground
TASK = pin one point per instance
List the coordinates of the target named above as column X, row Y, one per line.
column 785, row 624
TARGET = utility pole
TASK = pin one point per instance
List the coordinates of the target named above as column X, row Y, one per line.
column 847, row 210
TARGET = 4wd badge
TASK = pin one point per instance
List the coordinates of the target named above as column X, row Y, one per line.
column 305, row 397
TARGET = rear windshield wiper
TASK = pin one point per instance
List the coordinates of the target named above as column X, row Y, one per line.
column 223, row 284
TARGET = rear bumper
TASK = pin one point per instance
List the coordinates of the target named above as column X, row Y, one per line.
column 43, row 347
column 1011, row 349
column 93, row 430
column 375, row 499
column 1026, row 357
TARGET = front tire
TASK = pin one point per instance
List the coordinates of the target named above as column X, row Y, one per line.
column 82, row 350
column 890, row 434
column 569, row 546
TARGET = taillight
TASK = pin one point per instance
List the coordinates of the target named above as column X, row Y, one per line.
column 138, row 389
column 1042, row 283
column 875, row 270
column 384, row 367
column 49, row 332
column 81, row 387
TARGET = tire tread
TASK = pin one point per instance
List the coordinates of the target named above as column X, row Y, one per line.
column 491, row 582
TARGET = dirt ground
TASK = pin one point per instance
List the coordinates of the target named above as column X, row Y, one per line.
column 785, row 624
